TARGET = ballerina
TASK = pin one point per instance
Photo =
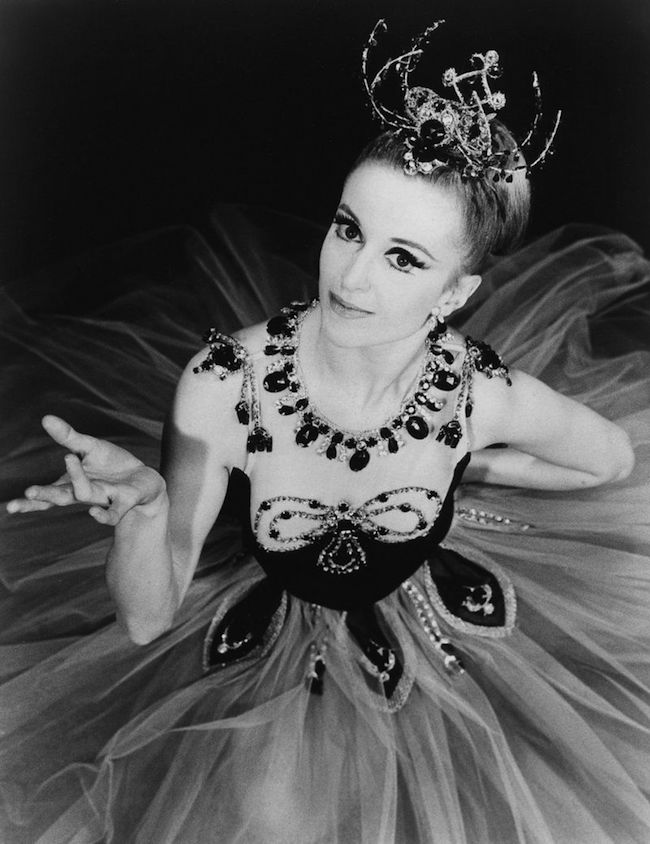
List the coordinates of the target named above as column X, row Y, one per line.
column 364, row 674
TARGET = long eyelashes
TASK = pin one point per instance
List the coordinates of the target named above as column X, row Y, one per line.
column 348, row 230
column 407, row 256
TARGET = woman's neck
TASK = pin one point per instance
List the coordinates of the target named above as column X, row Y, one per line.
column 368, row 376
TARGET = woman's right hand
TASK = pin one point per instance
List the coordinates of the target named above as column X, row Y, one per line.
column 106, row 477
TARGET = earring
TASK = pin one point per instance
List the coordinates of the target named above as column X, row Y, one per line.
column 437, row 324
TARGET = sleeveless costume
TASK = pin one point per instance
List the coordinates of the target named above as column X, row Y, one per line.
column 431, row 665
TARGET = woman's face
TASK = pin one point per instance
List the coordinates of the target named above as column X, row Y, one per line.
column 393, row 252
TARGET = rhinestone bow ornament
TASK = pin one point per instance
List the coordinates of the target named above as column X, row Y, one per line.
column 452, row 132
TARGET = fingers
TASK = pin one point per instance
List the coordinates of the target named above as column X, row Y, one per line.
column 81, row 485
column 121, row 499
column 64, row 434
column 42, row 498
column 72, row 488
column 21, row 505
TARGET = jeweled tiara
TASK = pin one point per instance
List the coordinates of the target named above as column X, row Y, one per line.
column 452, row 132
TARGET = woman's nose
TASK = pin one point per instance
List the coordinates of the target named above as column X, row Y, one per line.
column 356, row 275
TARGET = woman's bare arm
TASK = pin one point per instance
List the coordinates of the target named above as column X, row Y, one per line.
column 157, row 547
column 554, row 442
column 160, row 522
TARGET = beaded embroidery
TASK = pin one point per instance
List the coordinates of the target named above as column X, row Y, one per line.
column 231, row 650
column 227, row 356
column 489, row 519
column 480, row 601
column 381, row 662
column 342, row 525
column 427, row 617
column 415, row 417
column 416, row 412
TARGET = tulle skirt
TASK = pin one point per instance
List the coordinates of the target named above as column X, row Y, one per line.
column 543, row 738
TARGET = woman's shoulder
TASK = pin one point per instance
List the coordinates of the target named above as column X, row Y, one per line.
column 228, row 354
column 476, row 355
column 217, row 391
column 213, row 383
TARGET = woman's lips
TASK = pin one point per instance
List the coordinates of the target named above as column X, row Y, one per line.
column 346, row 309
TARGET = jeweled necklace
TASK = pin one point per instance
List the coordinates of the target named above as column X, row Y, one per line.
column 354, row 447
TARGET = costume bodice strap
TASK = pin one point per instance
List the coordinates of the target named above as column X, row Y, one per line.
column 226, row 357
column 479, row 357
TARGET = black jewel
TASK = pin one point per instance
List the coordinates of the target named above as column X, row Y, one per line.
column 224, row 355
column 275, row 382
column 301, row 404
column 393, row 445
column 450, row 434
column 294, row 386
column 243, row 412
column 332, row 452
column 306, row 435
column 469, row 407
column 350, row 442
column 432, row 131
column 371, row 442
column 417, row 427
column 424, row 151
column 359, row 460
column 279, row 325
column 445, row 380
column 259, row 440
column 270, row 349
column 323, row 428
column 386, row 433
column 382, row 498
column 337, row 437
column 434, row 404
column 286, row 409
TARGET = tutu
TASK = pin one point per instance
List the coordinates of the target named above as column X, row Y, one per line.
column 543, row 739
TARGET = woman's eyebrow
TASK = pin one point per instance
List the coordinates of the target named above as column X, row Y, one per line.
column 413, row 245
column 350, row 213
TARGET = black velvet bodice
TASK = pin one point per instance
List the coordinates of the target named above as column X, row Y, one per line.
column 386, row 564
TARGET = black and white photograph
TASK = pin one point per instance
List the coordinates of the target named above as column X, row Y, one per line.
column 325, row 431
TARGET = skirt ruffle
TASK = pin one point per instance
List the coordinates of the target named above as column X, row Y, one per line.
column 545, row 736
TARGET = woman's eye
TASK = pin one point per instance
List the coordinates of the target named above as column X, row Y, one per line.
column 404, row 261
column 346, row 228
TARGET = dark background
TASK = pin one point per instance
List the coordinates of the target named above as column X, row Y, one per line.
column 119, row 116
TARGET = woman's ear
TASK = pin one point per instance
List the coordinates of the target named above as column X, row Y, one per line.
column 458, row 293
